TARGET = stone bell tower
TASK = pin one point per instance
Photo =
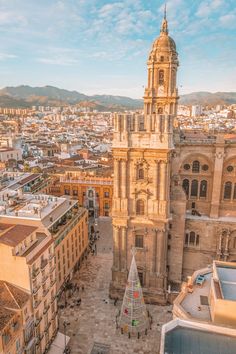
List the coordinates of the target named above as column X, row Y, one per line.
column 142, row 147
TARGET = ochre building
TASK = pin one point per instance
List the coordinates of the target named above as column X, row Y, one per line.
column 93, row 193
column 174, row 195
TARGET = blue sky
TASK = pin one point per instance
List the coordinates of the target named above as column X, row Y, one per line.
column 100, row 46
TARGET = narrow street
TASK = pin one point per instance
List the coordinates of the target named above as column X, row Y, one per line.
column 94, row 320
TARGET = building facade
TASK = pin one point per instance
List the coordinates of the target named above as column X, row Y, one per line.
column 28, row 261
column 62, row 218
column 174, row 194
column 93, row 193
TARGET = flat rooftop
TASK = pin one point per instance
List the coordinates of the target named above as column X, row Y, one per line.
column 196, row 303
column 45, row 208
column 227, row 278
column 182, row 340
column 16, row 180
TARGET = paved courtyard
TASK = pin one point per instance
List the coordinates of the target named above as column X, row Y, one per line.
column 94, row 321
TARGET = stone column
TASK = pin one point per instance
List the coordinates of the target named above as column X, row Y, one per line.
column 116, row 178
column 125, row 122
column 162, row 184
column 123, row 248
column 123, row 178
column 156, row 179
column 159, row 258
column 154, row 262
column 116, row 245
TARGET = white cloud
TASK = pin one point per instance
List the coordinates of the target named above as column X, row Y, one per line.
column 206, row 8
column 5, row 56
column 58, row 61
column 228, row 20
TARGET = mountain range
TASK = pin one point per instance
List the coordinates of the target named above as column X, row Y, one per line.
column 27, row 96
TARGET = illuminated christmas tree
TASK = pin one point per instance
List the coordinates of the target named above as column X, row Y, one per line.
column 134, row 318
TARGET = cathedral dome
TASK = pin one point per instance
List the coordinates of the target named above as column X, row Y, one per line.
column 164, row 43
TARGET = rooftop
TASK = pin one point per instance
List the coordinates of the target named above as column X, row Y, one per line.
column 14, row 234
column 182, row 340
column 195, row 304
column 45, row 208
column 227, row 279
column 11, row 298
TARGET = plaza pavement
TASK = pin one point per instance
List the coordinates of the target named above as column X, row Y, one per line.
column 95, row 319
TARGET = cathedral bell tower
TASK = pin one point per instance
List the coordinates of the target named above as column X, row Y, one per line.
column 142, row 147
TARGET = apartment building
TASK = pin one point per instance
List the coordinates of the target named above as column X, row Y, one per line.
column 27, row 261
column 59, row 217
column 25, row 182
column 16, row 320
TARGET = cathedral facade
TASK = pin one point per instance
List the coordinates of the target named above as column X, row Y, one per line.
column 174, row 196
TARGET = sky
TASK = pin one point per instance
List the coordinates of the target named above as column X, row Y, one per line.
column 101, row 46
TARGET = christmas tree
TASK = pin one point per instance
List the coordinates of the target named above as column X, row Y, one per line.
column 133, row 317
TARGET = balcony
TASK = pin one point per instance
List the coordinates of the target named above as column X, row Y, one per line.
column 36, row 289
column 62, row 229
column 44, row 262
column 46, row 309
column 37, row 321
column 36, row 304
column 15, row 326
column 45, row 291
column 47, row 327
column 52, row 282
column 51, row 256
column 29, row 333
column 35, row 272
column 44, row 278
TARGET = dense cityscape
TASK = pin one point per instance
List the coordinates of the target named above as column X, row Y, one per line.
column 117, row 222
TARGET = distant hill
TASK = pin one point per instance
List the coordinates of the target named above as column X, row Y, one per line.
column 27, row 96
column 208, row 98
column 23, row 96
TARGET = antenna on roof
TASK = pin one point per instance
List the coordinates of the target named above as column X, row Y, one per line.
column 165, row 12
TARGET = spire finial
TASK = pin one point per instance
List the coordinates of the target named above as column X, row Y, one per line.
column 165, row 12
column 164, row 27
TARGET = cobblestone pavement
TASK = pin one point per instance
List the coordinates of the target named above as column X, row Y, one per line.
column 95, row 319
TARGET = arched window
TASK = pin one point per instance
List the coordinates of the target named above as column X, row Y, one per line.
column 140, row 172
column 185, row 186
column 160, row 110
column 90, row 194
column 203, row 189
column 161, row 77
column 196, row 166
column 140, row 207
column 227, row 190
column 194, row 188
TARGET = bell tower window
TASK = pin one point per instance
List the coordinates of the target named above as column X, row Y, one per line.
column 161, row 77
column 140, row 172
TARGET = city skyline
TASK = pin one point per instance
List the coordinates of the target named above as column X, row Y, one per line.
column 100, row 47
